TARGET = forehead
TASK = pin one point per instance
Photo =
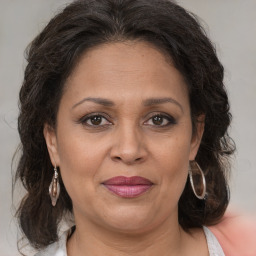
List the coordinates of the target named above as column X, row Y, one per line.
column 126, row 68
column 125, row 56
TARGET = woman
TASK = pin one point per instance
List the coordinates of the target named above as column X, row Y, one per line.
column 123, row 124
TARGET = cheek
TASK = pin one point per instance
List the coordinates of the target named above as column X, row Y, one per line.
column 173, row 161
column 79, row 162
column 175, row 150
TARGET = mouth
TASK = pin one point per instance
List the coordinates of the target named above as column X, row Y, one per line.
column 128, row 187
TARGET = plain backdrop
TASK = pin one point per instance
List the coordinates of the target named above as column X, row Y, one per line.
column 231, row 24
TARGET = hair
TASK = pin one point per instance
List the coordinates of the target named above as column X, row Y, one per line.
column 51, row 58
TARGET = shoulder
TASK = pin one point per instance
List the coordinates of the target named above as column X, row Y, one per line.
column 236, row 234
column 56, row 249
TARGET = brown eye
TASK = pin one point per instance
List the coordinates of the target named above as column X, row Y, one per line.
column 161, row 120
column 157, row 120
column 94, row 120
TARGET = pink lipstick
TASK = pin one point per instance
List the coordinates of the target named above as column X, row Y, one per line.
column 128, row 187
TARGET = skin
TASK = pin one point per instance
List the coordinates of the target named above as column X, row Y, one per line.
column 126, row 142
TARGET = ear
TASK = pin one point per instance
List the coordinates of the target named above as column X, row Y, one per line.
column 197, row 136
column 51, row 142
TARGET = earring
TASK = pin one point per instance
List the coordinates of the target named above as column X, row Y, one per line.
column 197, row 178
column 54, row 188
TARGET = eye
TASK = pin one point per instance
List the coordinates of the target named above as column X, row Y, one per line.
column 95, row 120
column 161, row 120
column 99, row 120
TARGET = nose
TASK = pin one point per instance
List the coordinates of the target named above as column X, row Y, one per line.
column 128, row 146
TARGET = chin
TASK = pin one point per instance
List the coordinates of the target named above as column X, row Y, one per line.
column 133, row 220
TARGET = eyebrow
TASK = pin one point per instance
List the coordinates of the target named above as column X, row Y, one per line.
column 147, row 102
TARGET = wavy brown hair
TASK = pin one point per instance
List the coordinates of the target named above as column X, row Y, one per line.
column 52, row 56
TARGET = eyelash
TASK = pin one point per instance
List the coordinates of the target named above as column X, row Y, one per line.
column 171, row 120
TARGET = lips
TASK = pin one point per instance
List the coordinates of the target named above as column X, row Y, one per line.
column 128, row 187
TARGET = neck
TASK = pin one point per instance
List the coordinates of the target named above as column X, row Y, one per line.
column 165, row 239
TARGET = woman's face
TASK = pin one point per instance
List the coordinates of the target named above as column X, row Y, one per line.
column 125, row 112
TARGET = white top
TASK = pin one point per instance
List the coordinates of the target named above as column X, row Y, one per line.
column 213, row 244
column 59, row 248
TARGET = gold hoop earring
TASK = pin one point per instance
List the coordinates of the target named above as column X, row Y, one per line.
column 54, row 188
column 196, row 175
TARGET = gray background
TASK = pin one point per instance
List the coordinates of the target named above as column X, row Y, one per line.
column 231, row 24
